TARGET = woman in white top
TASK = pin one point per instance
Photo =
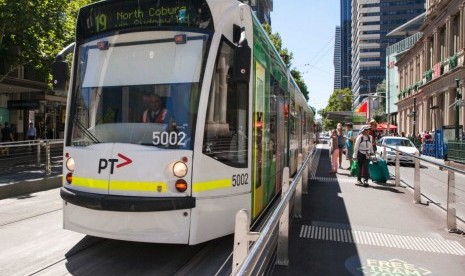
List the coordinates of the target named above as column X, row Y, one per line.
column 362, row 148
column 334, row 149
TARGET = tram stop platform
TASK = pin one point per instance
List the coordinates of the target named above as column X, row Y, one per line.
column 348, row 229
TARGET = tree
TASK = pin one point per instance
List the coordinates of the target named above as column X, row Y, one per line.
column 287, row 58
column 340, row 100
column 32, row 32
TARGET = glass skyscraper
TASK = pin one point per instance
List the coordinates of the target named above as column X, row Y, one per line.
column 346, row 43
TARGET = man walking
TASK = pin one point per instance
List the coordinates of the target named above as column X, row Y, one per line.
column 31, row 132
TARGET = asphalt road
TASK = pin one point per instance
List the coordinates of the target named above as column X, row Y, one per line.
column 32, row 242
column 433, row 187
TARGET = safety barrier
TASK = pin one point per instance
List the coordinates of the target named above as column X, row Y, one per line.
column 246, row 257
column 453, row 191
column 456, row 151
column 24, row 160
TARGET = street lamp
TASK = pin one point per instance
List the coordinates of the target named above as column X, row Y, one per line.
column 413, row 115
column 458, row 101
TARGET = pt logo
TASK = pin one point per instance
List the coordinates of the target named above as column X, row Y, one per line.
column 103, row 163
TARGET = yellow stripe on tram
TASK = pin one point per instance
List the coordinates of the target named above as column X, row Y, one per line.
column 212, row 185
column 100, row 184
column 139, row 186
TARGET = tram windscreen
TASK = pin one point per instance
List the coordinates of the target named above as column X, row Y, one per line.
column 139, row 88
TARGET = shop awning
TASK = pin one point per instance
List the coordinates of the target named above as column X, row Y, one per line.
column 383, row 126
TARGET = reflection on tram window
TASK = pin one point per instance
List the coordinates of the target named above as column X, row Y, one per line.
column 226, row 134
column 158, row 115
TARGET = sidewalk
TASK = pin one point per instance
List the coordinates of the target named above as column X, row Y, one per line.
column 352, row 230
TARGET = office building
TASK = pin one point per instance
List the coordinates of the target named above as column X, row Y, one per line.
column 372, row 20
column 432, row 73
column 337, row 59
column 262, row 9
column 346, row 43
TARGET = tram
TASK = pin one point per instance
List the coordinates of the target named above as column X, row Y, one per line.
column 180, row 113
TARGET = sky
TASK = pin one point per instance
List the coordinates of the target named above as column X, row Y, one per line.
column 307, row 29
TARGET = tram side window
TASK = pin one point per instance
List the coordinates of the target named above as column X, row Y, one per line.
column 226, row 132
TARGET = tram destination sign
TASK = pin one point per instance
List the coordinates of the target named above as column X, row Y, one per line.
column 116, row 15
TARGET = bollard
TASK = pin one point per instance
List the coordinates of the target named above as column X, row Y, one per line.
column 282, row 257
column 310, row 164
column 242, row 239
column 48, row 161
column 298, row 190
column 451, row 203
column 397, row 171
column 416, row 181
column 305, row 173
column 38, row 154
column 384, row 153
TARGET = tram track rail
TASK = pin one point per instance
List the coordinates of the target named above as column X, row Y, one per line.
column 36, row 244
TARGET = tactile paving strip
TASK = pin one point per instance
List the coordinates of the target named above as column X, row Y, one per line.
column 382, row 239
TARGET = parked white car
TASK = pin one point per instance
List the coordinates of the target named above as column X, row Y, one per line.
column 405, row 145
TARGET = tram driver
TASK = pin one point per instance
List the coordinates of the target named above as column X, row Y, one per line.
column 156, row 113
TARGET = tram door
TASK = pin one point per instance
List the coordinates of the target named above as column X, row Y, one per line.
column 280, row 147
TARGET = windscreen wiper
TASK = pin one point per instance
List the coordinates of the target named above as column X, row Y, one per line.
column 86, row 131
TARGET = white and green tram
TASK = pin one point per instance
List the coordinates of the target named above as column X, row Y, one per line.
column 233, row 119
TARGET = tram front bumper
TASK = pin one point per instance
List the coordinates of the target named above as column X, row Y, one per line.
column 155, row 220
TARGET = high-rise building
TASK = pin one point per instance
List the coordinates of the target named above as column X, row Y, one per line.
column 262, row 9
column 346, row 43
column 372, row 20
column 337, row 59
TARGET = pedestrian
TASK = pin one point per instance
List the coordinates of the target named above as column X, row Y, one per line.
column 2, row 150
column 372, row 132
column 363, row 148
column 31, row 132
column 341, row 144
column 7, row 136
column 349, row 142
column 334, row 149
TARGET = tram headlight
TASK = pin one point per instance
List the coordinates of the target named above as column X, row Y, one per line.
column 70, row 164
column 179, row 169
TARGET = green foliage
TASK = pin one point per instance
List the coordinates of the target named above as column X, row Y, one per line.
column 32, row 32
column 300, row 82
column 287, row 58
column 340, row 100
column 429, row 74
column 453, row 61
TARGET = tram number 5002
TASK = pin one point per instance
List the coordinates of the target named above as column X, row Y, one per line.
column 169, row 138
column 240, row 179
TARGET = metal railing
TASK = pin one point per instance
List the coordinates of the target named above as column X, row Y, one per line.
column 24, row 160
column 453, row 191
column 456, row 151
column 246, row 258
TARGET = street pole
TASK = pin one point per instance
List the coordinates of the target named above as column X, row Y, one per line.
column 458, row 96
column 388, row 95
column 369, row 100
column 414, row 114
